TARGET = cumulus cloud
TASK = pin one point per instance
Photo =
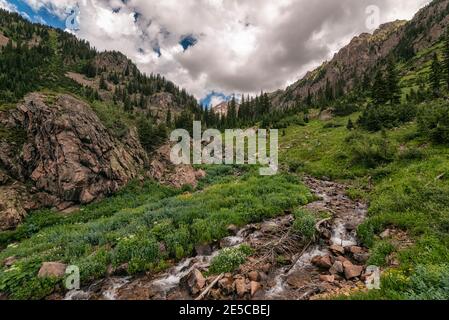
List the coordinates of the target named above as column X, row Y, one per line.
column 241, row 45
column 7, row 6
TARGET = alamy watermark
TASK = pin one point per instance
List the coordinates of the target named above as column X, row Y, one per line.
column 72, row 20
column 240, row 147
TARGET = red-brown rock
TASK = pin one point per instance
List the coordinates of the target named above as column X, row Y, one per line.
column 52, row 270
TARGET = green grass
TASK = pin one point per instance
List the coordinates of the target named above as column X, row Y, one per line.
column 133, row 231
column 410, row 192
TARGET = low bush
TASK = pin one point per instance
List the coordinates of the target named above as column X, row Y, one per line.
column 304, row 224
column 370, row 151
column 376, row 118
column 229, row 259
column 433, row 122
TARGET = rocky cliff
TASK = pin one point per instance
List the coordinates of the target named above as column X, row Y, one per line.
column 62, row 155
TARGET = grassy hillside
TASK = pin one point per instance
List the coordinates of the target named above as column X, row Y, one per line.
column 409, row 191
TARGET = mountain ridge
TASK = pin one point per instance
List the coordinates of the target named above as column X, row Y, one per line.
column 365, row 52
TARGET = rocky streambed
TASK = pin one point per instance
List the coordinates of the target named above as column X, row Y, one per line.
column 283, row 265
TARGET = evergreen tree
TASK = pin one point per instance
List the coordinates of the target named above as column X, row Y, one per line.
column 379, row 91
column 392, row 82
column 446, row 58
column 435, row 75
column 232, row 113
column 103, row 84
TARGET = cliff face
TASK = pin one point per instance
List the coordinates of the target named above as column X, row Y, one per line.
column 68, row 156
column 365, row 52
column 62, row 155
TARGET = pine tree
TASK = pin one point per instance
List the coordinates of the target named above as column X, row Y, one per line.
column 169, row 120
column 392, row 82
column 378, row 91
column 446, row 58
column 435, row 75
column 232, row 113
column 103, row 85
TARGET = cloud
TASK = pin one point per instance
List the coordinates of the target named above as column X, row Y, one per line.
column 240, row 45
column 7, row 6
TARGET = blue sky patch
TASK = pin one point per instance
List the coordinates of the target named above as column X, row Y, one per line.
column 188, row 41
column 43, row 15
column 206, row 101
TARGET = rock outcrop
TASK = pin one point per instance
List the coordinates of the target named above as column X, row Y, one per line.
column 67, row 157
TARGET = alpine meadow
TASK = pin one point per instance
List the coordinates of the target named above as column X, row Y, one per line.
column 93, row 208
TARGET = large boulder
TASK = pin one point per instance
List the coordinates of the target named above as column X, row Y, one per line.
column 52, row 270
column 194, row 282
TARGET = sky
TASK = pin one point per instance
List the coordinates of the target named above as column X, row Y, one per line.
column 217, row 48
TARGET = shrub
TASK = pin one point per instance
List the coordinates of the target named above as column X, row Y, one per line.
column 344, row 109
column 433, row 122
column 429, row 282
column 380, row 252
column 229, row 259
column 304, row 224
column 376, row 118
column 370, row 151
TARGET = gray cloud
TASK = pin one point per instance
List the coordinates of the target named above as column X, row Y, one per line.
column 243, row 45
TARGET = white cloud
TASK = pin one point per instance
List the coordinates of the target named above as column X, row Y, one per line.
column 243, row 45
column 7, row 6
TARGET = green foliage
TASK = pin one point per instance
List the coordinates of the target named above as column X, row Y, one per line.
column 343, row 109
column 375, row 118
column 133, row 227
column 379, row 253
column 229, row 259
column 446, row 57
column 151, row 136
column 435, row 75
column 370, row 151
column 304, row 224
column 433, row 122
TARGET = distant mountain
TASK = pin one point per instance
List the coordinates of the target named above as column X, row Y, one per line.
column 357, row 62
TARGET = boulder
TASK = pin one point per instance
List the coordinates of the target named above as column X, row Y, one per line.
column 324, row 262
column 254, row 276
column 266, row 267
column 269, row 227
column 8, row 262
column 352, row 271
column 226, row 284
column 327, row 278
column 361, row 257
column 342, row 259
column 194, row 282
column 337, row 268
column 68, row 155
column 356, row 250
column 52, row 270
column 386, row 234
column 240, row 287
column 338, row 250
column 255, row 287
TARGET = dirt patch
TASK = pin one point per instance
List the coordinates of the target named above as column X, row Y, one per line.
column 82, row 80
column 3, row 40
